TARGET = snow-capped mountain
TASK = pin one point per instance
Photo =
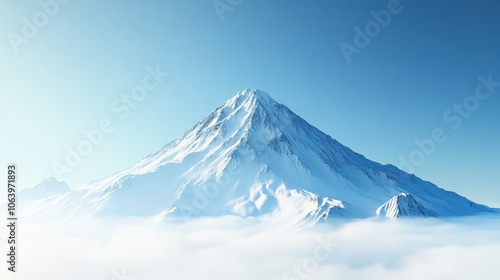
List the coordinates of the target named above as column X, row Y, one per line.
column 253, row 156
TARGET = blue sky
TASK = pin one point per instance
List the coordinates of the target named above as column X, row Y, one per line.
column 83, row 57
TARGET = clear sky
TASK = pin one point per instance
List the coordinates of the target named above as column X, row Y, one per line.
column 65, row 67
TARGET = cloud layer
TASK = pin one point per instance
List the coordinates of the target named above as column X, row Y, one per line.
column 233, row 248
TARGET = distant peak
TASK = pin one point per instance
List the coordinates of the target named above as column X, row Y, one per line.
column 51, row 180
column 46, row 188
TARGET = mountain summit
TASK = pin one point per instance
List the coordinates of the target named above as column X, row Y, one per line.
column 254, row 157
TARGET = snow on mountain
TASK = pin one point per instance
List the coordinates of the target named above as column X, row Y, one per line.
column 403, row 205
column 253, row 156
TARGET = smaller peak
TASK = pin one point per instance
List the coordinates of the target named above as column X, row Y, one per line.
column 46, row 188
column 403, row 205
column 51, row 180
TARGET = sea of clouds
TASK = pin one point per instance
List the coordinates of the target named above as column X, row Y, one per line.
column 244, row 249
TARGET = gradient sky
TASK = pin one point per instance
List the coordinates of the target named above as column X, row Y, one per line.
column 395, row 90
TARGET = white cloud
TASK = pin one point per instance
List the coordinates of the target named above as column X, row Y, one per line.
column 233, row 248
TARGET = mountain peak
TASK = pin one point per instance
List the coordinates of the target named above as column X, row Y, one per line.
column 249, row 98
column 254, row 93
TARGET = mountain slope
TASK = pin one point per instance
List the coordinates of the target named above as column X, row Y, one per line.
column 254, row 157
